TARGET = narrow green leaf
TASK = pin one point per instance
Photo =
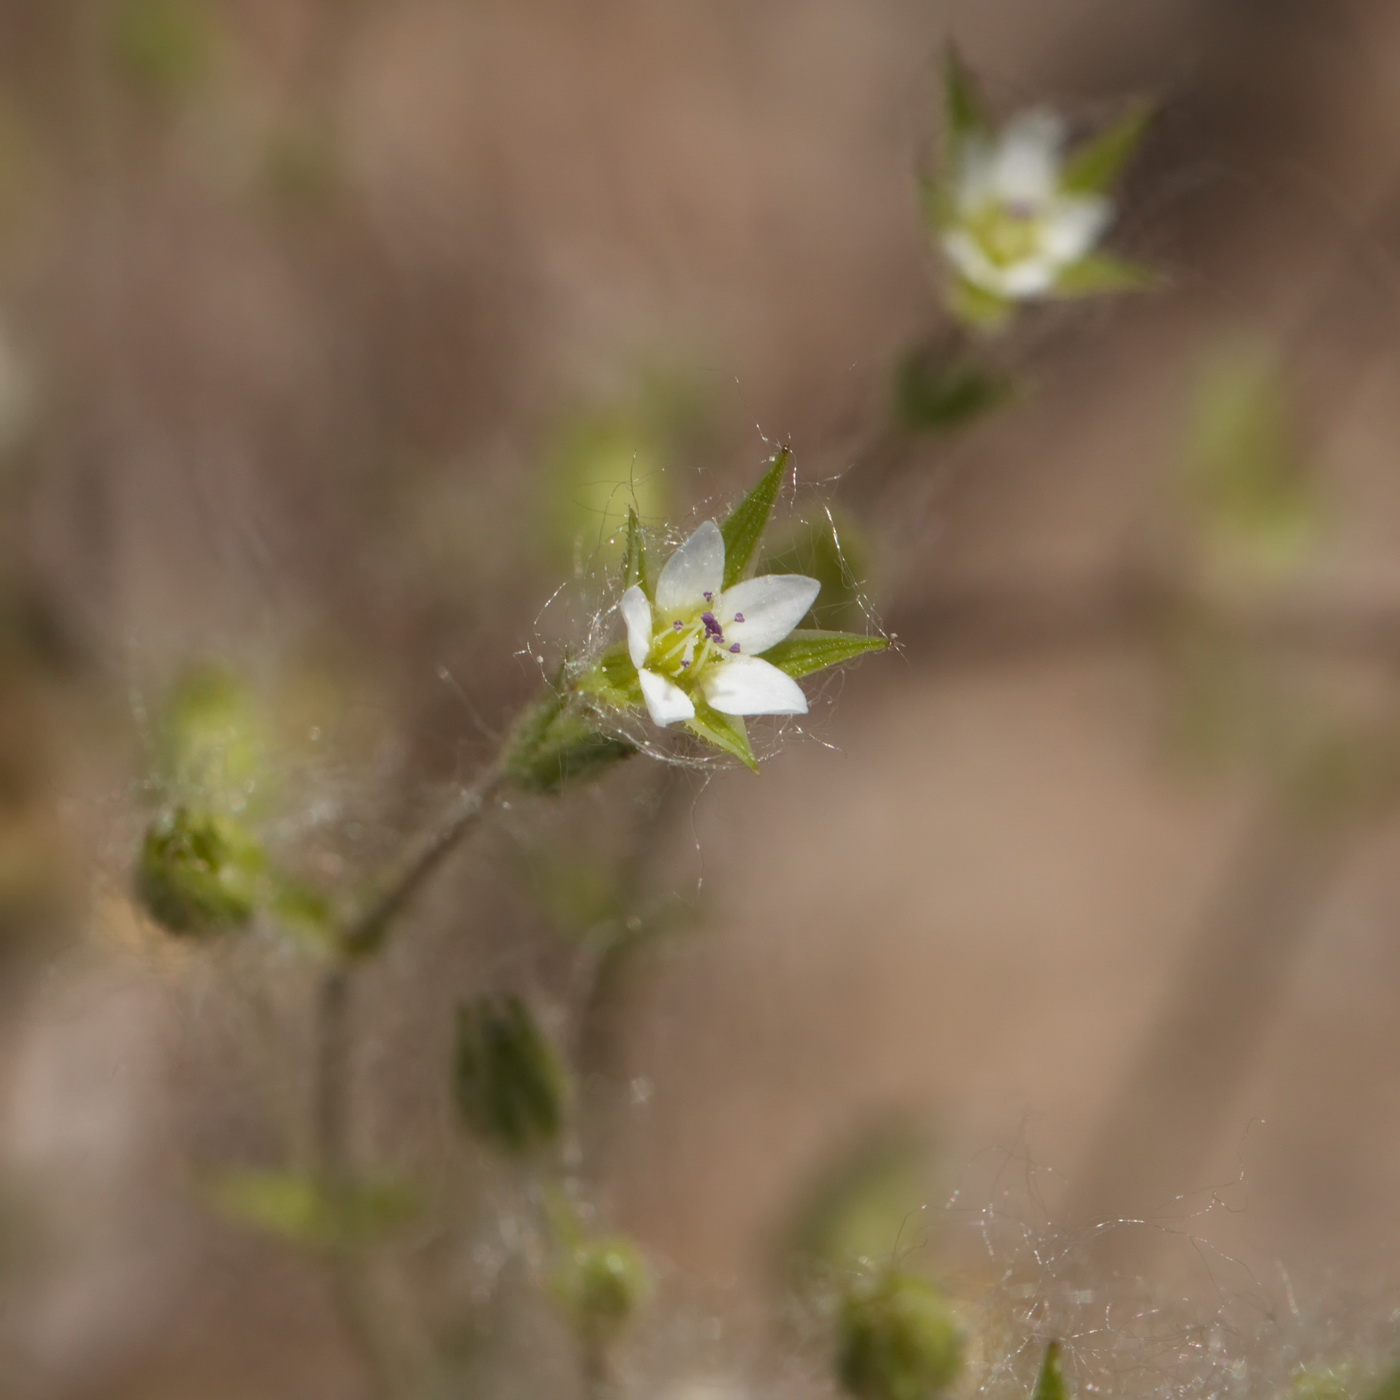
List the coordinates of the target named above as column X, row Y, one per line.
column 634, row 561
column 743, row 528
column 1097, row 164
column 1101, row 273
column 726, row 732
column 981, row 310
column 1050, row 1383
column 613, row 680
column 802, row 653
column 962, row 98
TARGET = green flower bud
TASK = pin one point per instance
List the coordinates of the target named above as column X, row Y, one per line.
column 509, row 1083
column 558, row 743
column 600, row 1284
column 196, row 872
column 898, row 1341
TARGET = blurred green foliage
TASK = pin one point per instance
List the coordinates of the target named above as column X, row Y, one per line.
column 1245, row 483
column 164, row 48
column 1050, row 1381
column 307, row 1212
column 508, row 1081
column 559, row 742
column 600, row 1283
column 933, row 394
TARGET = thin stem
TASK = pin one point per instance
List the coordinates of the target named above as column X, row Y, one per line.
column 351, row 1289
column 349, row 1285
column 364, row 933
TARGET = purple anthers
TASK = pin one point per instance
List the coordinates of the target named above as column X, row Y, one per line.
column 709, row 597
column 738, row 617
column 735, row 647
column 685, row 661
column 678, row 625
column 713, row 631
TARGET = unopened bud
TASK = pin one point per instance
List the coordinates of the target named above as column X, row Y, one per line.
column 195, row 873
column 508, row 1080
column 601, row 1283
column 898, row 1340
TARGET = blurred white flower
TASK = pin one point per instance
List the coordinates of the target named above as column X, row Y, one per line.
column 697, row 637
column 1011, row 227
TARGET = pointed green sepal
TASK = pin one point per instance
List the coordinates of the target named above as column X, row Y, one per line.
column 978, row 309
column 725, row 732
column 613, row 680
column 801, row 653
column 1100, row 274
column 634, row 561
column 963, row 107
column 1050, row 1383
column 1097, row 164
column 743, row 527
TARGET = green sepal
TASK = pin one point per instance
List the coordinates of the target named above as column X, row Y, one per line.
column 977, row 308
column 933, row 396
column 801, row 653
column 963, row 107
column 743, row 527
column 558, row 743
column 1096, row 165
column 726, row 732
column 1050, row 1382
column 634, row 560
column 613, row 680
column 1101, row 273
column 509, row 1082
column 308, row 1212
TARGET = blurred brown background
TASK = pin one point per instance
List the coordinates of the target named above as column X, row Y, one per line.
column 297, row 299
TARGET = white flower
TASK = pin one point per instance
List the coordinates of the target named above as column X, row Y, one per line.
column 1012, row 228
column 702, row 638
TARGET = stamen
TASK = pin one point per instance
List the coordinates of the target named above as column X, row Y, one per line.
column 738, row 617
column 709, row 597
column 678, row 625
column 713, row 631
column 685, row 661
column 735, row 647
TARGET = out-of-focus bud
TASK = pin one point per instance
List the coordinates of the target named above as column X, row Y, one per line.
column 196, row 873
column 897, row 1340
column 601, row 1283
column 508, row 1080
column 559, row 742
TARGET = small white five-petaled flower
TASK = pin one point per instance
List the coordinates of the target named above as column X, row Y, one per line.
column 702, row 638
column 1013, row 228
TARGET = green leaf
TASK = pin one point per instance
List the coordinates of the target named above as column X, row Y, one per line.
column 981, row 310
column 725, row 732
column 1101, row 273
column 613, row 680
column 962, row 98
column 802, row 653
column 1050, row 1383
column 305, row 1211
column 744, row 526
column 938, row 397
column 198, row 874
column 634, row 561
column 1097, row 164
column 559, row 742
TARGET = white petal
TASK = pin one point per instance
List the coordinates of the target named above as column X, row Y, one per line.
column 695, row 569
column 748, row 685
column 771, row 606
column 1027, row 158
column 1074, row 226
column 1031, row 277
column 636, row 613
column 666, row 701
